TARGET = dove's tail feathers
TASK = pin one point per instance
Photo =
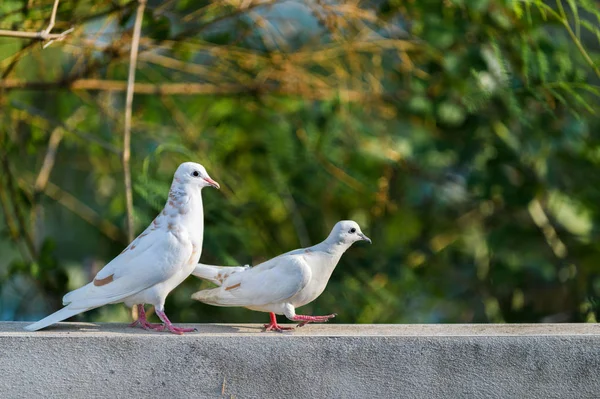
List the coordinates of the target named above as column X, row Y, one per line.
column 216, row 274
column 73, row 295
column 90, row 296
column 55, row 317
column 217, row 297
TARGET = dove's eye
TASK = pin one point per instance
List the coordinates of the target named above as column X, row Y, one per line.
column 195, row 173
column 353, row 230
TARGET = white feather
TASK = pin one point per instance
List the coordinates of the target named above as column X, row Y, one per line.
column 216, row 274
column 55, row 317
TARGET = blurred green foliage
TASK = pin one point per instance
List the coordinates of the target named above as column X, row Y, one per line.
column 463, row 136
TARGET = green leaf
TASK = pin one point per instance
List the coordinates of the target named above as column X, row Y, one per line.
column 450, row 113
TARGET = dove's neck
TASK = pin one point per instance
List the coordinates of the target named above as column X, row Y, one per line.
column 184, row 210
column 322, row 266
column 334, row 247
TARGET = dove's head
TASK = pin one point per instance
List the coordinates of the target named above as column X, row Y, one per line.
column 194, row 174
column 347, row 232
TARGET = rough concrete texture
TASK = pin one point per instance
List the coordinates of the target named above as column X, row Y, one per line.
column 78, row 360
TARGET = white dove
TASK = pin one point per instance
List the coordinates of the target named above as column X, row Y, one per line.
column 156, row 262
column 281, row 284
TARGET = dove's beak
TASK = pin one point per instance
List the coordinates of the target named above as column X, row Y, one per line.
column 364, row 238
column 212, row 182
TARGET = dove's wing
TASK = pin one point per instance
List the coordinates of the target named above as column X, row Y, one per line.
column 274, row 281
column 154, row 259
column 219, row 274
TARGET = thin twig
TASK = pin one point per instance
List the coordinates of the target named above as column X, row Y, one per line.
column 14, row 60
column 563, row 19
column 55, row 138
column 580, row 47
column 540, row 218
column 47, row 31
column 52, row 18
column 167, row 62
column 43, row 35
column 190, row 131
column 243, row 8
column 83, row 135
column 37, row 211
column 113, row 116
column 119, row 85
column 330, row 167
column 128, row 105
column 192, row 89
column 16, row 210
column 13, row 229
column 35, row 35
column 44, row 174
column 73, row 204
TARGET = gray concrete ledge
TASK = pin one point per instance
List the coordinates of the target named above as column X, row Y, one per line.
column 82, row 360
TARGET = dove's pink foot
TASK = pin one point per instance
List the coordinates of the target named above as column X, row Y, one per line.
column 312, row 319
column 273, row 326
column 143, row 322
column 171, row 327
column 146, row 325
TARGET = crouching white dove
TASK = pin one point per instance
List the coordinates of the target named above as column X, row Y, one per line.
column 282, row 284
column 156, row 262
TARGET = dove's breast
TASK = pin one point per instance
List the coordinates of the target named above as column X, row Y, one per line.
column 322, row 266
column 177, row 269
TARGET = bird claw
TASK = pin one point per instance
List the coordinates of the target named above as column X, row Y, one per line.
column 161, row 327
column 147, row 326
column 180, row 330
column 304, row 320
column 276, row 327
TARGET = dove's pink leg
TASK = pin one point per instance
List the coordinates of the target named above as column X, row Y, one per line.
column 273, row 326
column 312, row 319
column 171, row 327
column 143, row 322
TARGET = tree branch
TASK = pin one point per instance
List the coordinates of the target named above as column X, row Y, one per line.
column 44, row 174
column 43, row 35
column 80, row 209
column 192, row 89
column 13, row 229
column 27, row 238
column 52, row 17
column 55, row 139
column 128, row 105
column 35, row 35
column 83, row 135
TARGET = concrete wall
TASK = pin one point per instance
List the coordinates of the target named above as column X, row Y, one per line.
column 78, row 360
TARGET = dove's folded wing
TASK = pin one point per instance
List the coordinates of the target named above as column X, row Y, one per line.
column 155, row 259
column 281, row 280
column 276, row 261
column 219, row 274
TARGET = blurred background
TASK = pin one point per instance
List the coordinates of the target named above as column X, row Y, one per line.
column 462, row 135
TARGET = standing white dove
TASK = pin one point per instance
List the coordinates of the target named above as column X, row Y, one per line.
column 156, row 262
column 282, row 284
